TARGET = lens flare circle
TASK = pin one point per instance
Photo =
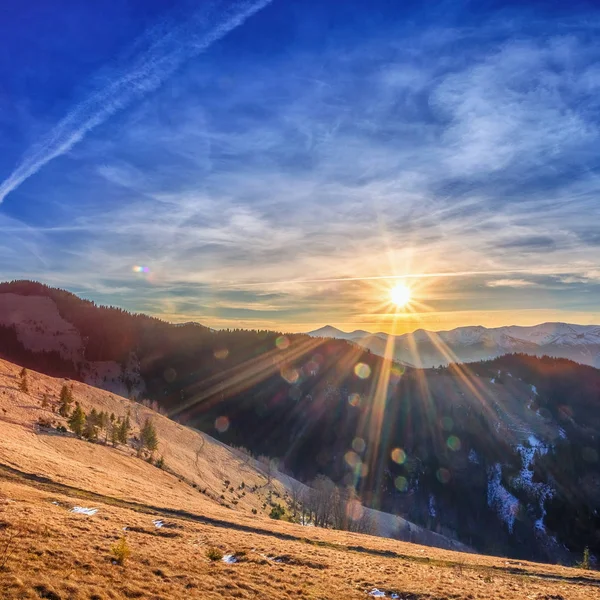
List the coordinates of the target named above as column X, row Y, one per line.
column 362, row 370
column 222, row 424
column 398, row 456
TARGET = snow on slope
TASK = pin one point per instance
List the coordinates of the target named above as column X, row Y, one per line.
column 39, row 326
column 511, row 336
column 505, row 337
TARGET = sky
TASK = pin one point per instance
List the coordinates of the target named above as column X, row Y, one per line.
column 283, row 164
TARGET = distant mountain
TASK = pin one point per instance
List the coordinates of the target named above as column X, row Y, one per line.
column 426, row 349
column 501, row 455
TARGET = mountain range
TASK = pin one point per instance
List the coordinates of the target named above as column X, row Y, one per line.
column 501, row 455
column 426, row 349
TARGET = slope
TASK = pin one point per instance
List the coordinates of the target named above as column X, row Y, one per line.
column 49, row 550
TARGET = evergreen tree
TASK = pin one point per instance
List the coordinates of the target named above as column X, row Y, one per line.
column 114, row 433
column 77, row 420
column 23, row 385
column 90, row 430
column 103, row 424
column 66, row 399
column 45, row 402
column 124, row 429
column 148, row 437
column 23, row 373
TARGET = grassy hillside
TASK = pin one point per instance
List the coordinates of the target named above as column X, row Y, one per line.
column 49, row 551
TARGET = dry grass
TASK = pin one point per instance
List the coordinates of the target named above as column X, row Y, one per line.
column 69, row 555
column 62, row 555
column 201, row 460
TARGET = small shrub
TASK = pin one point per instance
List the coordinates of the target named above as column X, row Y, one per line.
column 585, row 563
column 254, row 511
column 214, row 554
column 121, row 551
column 277, row 512
column 160, row 463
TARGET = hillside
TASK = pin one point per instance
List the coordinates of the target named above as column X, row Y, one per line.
column 49, row 550
column 580, row 343
column 501, row 456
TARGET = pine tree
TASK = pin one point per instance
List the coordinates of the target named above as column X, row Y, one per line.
column 23, row 385
column 148, row 437
column 90, row 431
column 23, row 373
column 66, row 399
column 124, row 429
column 45, row 402
column 104, row 424
column 77, row 420
column 114, row 433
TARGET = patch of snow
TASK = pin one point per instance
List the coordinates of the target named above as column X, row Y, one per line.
column 377, row 593
column 82, row 510
column 493, row 380
column 537, row 490
column 473, row 457
column 534, row 390
column 39, row 326
column 230, row 559
column 158, row 523
column 432, row 512
column 500, row 498
column 562, row 433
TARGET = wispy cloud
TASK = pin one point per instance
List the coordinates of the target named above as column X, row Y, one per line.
column 293, row 191
column 510, row 283
column 138, row 77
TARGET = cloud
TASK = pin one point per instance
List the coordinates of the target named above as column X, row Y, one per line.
column 511, row 283
column 296, row 188
column 141, row 75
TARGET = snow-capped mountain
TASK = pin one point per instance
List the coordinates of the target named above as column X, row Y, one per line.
column 580, row 343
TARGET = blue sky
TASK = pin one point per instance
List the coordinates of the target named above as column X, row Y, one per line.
column 276, row 163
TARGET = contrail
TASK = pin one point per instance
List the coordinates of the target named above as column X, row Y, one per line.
column 144, row 74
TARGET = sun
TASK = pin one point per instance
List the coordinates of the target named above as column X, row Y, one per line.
column 400, row 295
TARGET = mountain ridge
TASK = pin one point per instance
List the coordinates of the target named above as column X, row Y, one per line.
column 425, row 348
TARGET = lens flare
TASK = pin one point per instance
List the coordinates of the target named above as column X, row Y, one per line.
column 362, row 370
column 140, row 269
column 401, row 483
column 282, row 342
column 354, row 399
column 398, row 456
column 290, row 374
column 453, row 443
column 443, row 475
column 358, row 445
column 222, row 424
